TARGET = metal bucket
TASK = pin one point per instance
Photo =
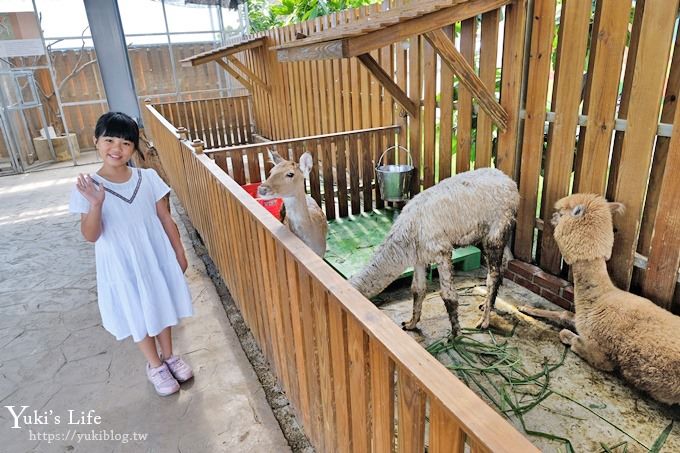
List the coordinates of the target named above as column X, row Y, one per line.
column 394, row 180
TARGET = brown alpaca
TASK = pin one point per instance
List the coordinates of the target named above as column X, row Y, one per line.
column 615, row 329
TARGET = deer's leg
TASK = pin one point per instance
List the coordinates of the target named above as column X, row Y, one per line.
column 564, row 318
column 494, row 259
column 418, row 288
column 448, row 292
column 588, row 350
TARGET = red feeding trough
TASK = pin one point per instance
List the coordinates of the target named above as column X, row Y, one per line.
column 273, row 205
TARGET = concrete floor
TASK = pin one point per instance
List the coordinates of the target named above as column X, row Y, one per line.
column 56, row 357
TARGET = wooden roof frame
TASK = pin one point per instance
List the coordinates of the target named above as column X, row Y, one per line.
column 357, row 39
column 225, row 57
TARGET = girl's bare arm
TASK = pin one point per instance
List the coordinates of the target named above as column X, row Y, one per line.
column 91, row 222
column 163, row 211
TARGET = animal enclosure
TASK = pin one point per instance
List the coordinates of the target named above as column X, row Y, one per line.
column 578, row 110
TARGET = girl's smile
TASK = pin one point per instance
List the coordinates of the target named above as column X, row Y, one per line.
column 114, row 150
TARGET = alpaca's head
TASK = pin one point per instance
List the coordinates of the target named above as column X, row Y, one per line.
column 583, row 227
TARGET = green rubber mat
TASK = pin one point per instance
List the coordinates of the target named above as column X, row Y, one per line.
column 352, row 242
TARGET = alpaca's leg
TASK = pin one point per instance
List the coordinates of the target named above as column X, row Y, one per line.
column 589, row 351
column 563, row 318
column 448, row 292
column 494, row 278
column 418, row 288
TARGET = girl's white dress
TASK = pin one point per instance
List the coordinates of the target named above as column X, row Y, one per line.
column 141, row 288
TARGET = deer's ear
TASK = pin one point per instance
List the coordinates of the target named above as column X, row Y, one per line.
column 616, row 207
column 275, row 157
column 306, row 163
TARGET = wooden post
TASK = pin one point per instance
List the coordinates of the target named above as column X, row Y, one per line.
column 198, row 146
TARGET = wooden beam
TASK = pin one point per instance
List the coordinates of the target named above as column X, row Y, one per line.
column 487, row 101
column 367, row 37
column 218, row 54
column 250, row 74
column 235, row 75
column 420, row 25
column 387, row 82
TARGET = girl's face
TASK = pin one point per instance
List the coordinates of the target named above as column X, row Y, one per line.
column 114, row 151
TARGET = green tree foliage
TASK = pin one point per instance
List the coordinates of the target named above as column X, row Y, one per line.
column 263, row 15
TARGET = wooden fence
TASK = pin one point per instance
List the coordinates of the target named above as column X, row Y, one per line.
column 601, row 138
column 353, row 377
column 217, row 122
column 620, row 150
column 342, row 179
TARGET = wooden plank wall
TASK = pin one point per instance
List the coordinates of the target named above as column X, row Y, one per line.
column 632, row 74
column 153, row 78
column 337, row 357
column 321, row 97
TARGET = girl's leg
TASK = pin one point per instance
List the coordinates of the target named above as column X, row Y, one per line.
column 165, row 342
column 148, row 348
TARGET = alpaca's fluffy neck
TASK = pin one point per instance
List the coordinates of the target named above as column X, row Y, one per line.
column 591, row 280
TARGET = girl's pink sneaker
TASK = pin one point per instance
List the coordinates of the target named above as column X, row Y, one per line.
column 162, row 379
column 179, row 368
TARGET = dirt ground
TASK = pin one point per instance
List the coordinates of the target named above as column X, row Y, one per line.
column 604, row 412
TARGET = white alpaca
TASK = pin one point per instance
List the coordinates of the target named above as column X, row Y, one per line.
column 615, row 329
column 303, row 216
column 473, row 207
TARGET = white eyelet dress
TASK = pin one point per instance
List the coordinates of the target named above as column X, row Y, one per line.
column 141, row 288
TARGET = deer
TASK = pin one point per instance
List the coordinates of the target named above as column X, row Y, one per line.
column 303, row 217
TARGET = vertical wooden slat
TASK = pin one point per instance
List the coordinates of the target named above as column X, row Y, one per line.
column 468, row 35
column 606, row 55
column 311, row 360
column 339, row 359
column 487, row 73
column 299, row 341
column 366, row 173
column 382, row 398
column 359, row 386
column 446, row 115
column 661, row 275
column 571, row 51
column 511, row 82
column 670, row 102
column 341, row 169
column 429, row 114
column 326, row 378
column 353, row 151
column 646, row 90
column 376, row 139
column 411, row 414
column 532, row 144
column 415, row 91
column 329, row 198
column 445, row 435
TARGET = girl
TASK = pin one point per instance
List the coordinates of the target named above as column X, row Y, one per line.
column 140, row 259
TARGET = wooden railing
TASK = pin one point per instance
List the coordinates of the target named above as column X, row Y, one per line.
column 343, row 166
column 353, row 377
column 217, row 122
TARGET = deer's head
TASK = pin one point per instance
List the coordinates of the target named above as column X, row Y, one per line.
column 583, row 227
column 287, row 178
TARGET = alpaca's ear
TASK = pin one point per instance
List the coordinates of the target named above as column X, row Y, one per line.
column 616, row 207
column 306, row 164
column 274, row 156
column 578, row 211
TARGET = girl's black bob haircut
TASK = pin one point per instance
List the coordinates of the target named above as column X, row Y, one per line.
column 119, row 125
